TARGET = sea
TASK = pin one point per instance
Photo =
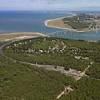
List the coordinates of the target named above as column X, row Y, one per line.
column 33, row 21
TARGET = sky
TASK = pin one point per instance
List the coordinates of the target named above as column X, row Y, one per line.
column 48, row 4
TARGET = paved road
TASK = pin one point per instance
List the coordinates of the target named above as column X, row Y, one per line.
column 3, row 46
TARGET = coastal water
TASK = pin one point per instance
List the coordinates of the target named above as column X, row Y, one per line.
column 24, row 21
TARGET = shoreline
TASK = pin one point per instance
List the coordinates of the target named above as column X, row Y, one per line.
column 20, row 35
column 68, row 29
column 51, row 26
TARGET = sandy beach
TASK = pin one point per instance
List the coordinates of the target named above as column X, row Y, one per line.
column 20, row 35
column 57, row 23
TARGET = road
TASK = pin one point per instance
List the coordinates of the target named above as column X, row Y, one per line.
column 3, row 46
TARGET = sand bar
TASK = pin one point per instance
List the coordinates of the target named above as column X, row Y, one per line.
column 19, row 35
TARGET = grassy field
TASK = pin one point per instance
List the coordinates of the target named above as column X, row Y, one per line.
column 27, row 82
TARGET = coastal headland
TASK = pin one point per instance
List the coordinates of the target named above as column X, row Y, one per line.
column 76, row 23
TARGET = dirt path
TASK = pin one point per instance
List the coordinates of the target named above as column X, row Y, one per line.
column 71, row 72
column 68, row 89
